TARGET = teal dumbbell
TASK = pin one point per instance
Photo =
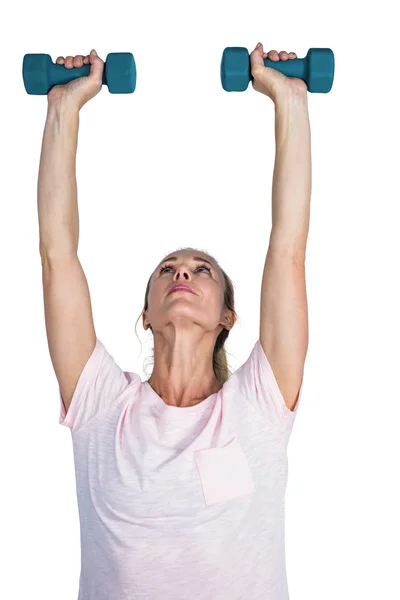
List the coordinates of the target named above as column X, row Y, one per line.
column 316, row 69
column 40, row 74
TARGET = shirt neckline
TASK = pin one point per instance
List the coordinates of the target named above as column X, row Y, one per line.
column 181, row 410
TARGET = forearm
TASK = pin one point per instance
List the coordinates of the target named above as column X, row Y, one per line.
column 57, row 188
column 291, row 185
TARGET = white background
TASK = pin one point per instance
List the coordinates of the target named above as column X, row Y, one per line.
column 182, row 163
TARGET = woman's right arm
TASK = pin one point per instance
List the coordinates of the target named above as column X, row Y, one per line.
column 68, row 312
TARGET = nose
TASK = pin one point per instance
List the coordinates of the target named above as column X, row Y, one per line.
column 182, row 273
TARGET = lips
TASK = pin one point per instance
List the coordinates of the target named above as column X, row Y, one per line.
column 180, row 287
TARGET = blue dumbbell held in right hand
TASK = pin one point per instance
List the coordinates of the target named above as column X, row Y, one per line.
column 40, row 74
column 316, row 69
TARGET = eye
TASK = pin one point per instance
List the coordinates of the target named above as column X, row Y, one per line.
column 165, row 267
column 204, row 267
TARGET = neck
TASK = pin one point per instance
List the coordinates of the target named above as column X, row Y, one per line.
column 183, row 374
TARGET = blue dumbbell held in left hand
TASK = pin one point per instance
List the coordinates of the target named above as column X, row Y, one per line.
column 316, row 69
column 40, row 74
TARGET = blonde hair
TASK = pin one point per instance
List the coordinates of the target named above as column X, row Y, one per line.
column 220, row 361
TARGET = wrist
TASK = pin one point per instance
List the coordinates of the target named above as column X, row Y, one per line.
column 289, row 97
column 62, row 105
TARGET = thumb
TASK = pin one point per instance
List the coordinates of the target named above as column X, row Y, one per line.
column 256, row 57
column 96, row 65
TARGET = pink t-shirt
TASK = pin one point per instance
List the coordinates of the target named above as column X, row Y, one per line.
column 180, row 503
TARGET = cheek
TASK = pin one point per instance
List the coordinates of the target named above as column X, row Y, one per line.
column 156, row 288
column 214, row 297
column 153, row 297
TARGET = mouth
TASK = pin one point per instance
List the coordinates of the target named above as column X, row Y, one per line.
column 181, row 288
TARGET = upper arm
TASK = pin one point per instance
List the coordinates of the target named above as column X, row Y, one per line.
column 284, row 320
column 69, row 321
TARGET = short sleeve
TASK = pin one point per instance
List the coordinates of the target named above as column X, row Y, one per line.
column 99, row 384
column 258, row 384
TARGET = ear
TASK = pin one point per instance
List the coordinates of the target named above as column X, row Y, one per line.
column 228, row 320
column 145, row 321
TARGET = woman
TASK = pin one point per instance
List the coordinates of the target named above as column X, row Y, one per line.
column 180, row 479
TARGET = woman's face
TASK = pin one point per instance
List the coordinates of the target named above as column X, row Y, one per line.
column 204, row 307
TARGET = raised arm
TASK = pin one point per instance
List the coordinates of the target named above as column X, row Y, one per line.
column 283, row 311
column 68, row 313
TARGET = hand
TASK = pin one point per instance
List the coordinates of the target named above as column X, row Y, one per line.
column 269, row 81
column 81, row 90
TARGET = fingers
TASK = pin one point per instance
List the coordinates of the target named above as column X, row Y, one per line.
column 283, row 55
column 78, row 61
column 272, row 55
column 73, row 61
column 68, row 62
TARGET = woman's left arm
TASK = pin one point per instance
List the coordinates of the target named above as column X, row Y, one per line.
column 284, row 312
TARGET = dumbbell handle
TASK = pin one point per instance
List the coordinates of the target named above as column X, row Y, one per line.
column 293, row 67
column 61, row 74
